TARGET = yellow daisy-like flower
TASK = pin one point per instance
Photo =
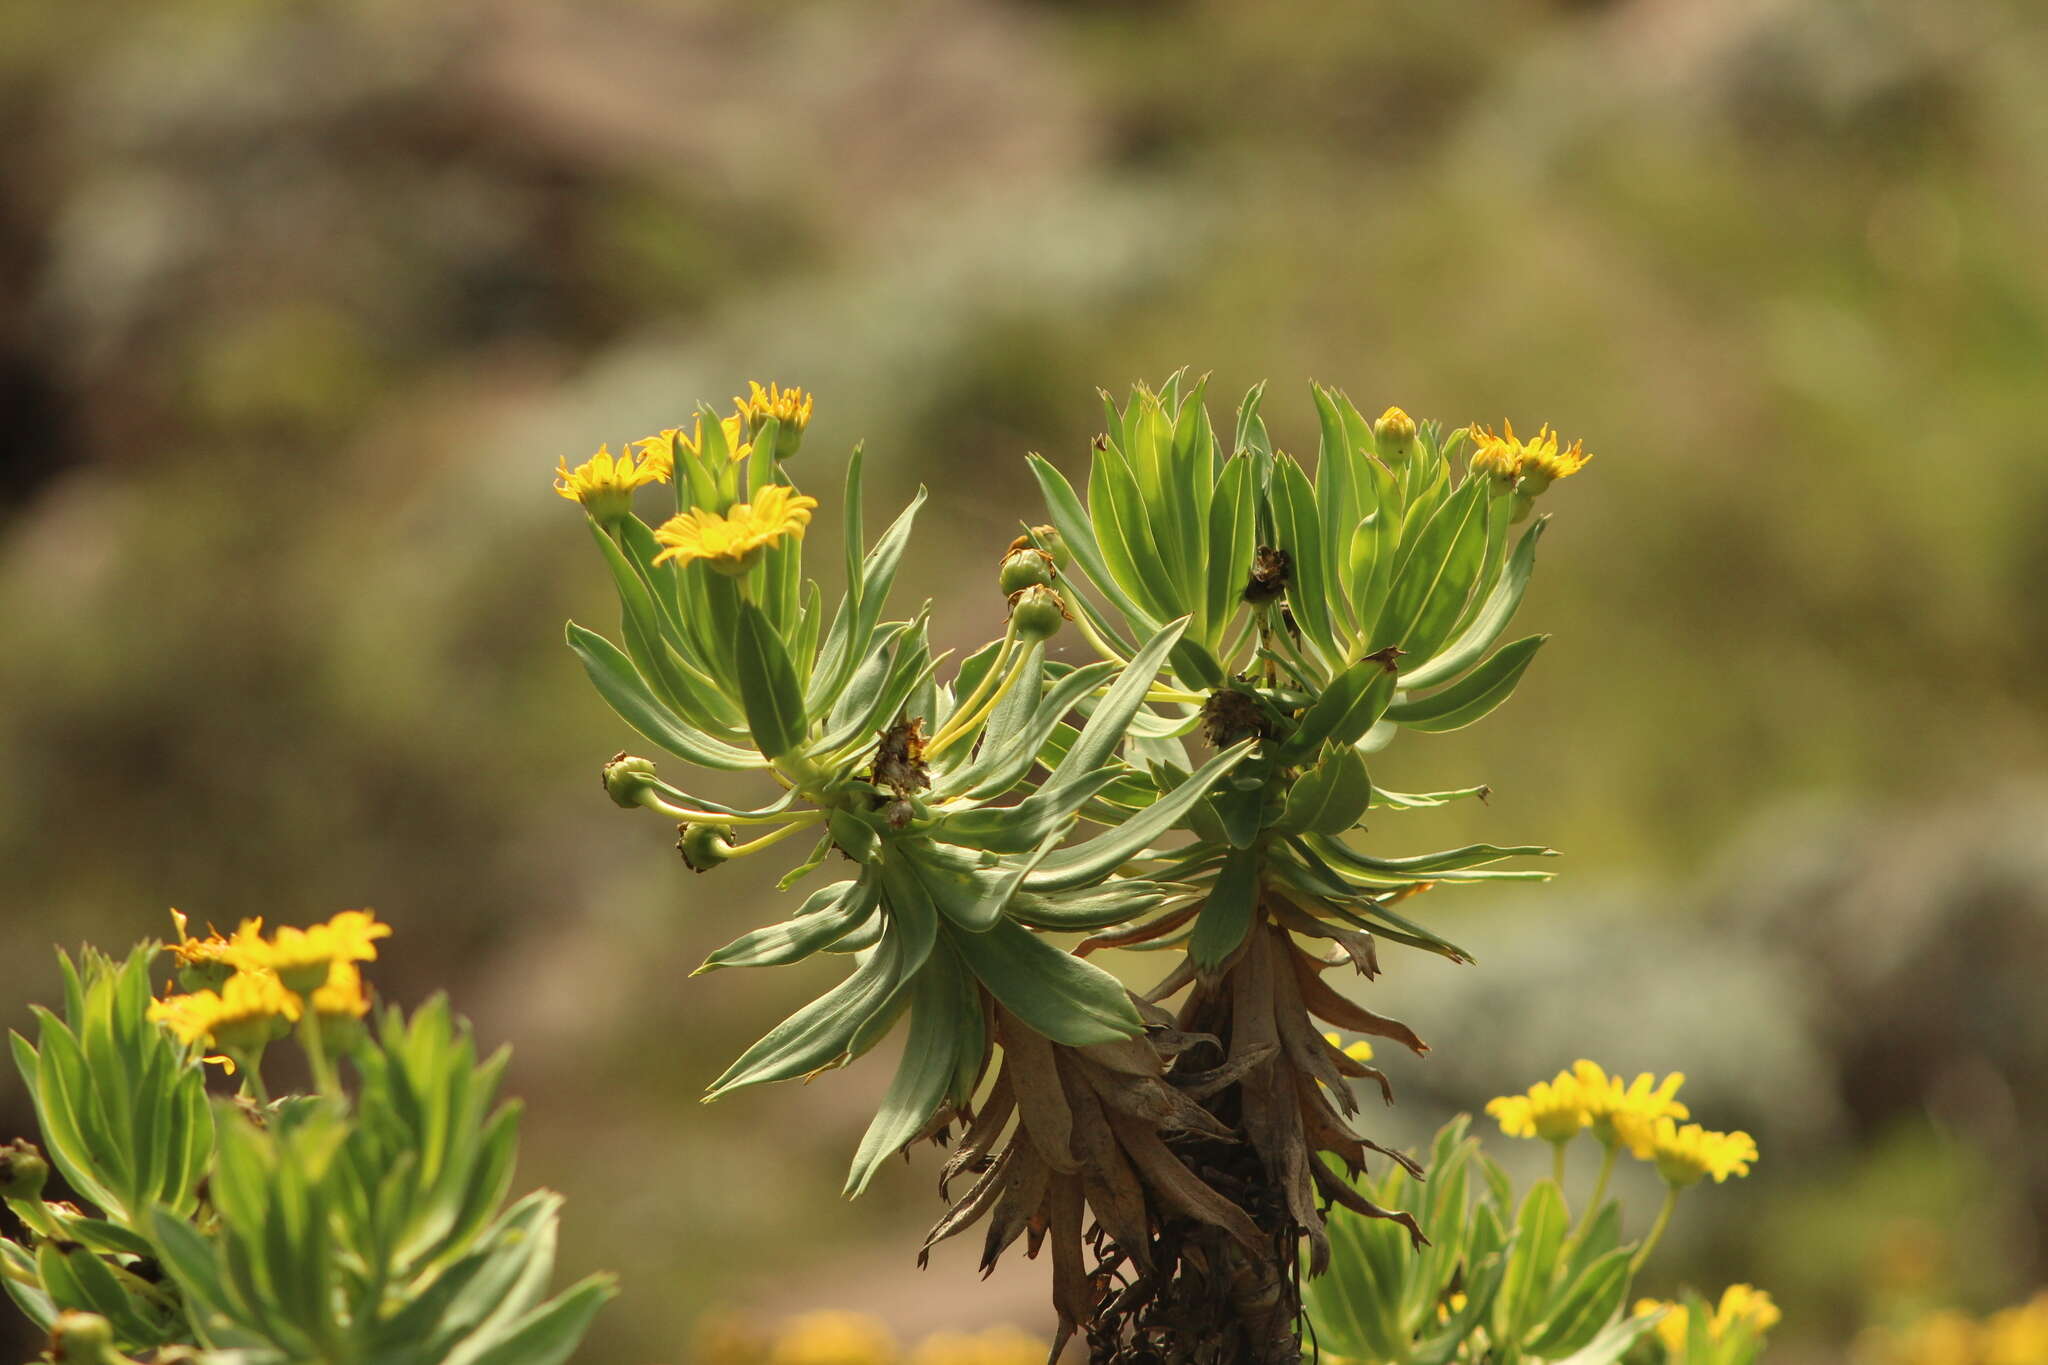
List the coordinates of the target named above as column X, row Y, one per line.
column 343, row 997
column 303, row 958
column 211, row 951
column 731, row 543
column 604, row 483
column 996, row 1346
column 1538, row 462
column 1360, row 1051
column 1685, row 1156
column 790, row 407
column 1606, row 1100
column 1553, row 1110
column 240, row 1017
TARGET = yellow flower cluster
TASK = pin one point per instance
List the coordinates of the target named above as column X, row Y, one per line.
column 1539, row 460
column 2012, row 1336
column 1642, row 1115
column 1360, row 1051
column 732, row 542
column 274, row 980
column 1741, row 1305
column 791, row 407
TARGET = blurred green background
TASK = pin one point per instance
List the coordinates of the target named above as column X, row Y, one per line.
column 300, row 302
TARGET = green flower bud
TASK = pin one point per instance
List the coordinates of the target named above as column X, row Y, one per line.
column 81, row 1337
column 1025, row 568
column 1395, row 433
column 1048, row 539
column 625, row 777
column 22, row 1170
column 1037, row 613
column 704, row 846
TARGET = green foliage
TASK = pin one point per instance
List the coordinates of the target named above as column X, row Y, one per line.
column 326, row 1227
column 1500, row 1281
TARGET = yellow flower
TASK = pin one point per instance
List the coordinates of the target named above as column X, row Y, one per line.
column 1685, row 1156
column 604, row 484
column 1360, row 1051
column 1552, row 1110
column 1671, row 1328
column 241, row 1017
column 343, row 996
column 1539, row 462
column 1744, row 1305
column 2018, row 1336
column 208, row 952
column 829, row 1338
column 732, row 428
column 996, row 1346
column 731, row 543
column 791, row 408
column 1607, row 1101
column 303, row 958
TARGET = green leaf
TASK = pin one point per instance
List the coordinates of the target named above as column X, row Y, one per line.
column 1473, row 696
column 1299, row 526
column 1085, row 863
column 623, row 689
column 1347, row 708
column 1587, row 1306
column 944, row 1008
column 548, row 1335
column 768, row 687
column 827, row 916
column 1490, row 621
column 1613, row 1343
column 1061, row 996
column 1430, row 596
column 1539, row 1229
column 1228, row 912
column 1072, row 521
column 1112, row 716
column 1329, row 798
column 818, row 1035
column 1233, row 536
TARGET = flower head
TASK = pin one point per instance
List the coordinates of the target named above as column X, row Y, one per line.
column 1685, row 1156
column 1538, row 462
column 1606, row 1100
column 1741, row 1305
column 834, row 1338
column 1553, row 1110
column 604, row 483
column 791, row 408
column 343, row 997
column 304, row 958
column 731, row 543
column 202, row 962
column 241, row 1017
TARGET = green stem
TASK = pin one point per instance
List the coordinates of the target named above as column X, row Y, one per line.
column 1557, row 1168
column 989, row 678
column 755, row 846
column 252, row 1078
column 325, row 1080
column 36, row 1217
column 682, row 815
column 1635, row 1265
column 1592, row 1210
column 1093, row 636
column 953, row 731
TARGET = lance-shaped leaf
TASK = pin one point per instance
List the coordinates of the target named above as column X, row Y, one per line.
column 1228, row 912
column 1093, row 907
column 969, row 894
column 1352, row 703
column 1490, row 621
column 1057, row 994
column 1449, row 860
column 1084, row 863
column 768, row 687
column 1233, row 536
column 818, row 1035
column 1471, row 697
column 827, row 916
column 944, row 1009
column 623, row 689
column 1586, row 1305
column 1436, row 580
column 1009, row 749
column 1299, row 524
column 1072, row 521
column 1112, row 716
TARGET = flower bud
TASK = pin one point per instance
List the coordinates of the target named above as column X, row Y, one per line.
column 1025, row 568
column 79, row 1336
column 1395, row 433
column 22, row 1170
column 626, row 777
column 1050, row 540
column 704, row 846
column 790, row 408
column 1037, row 613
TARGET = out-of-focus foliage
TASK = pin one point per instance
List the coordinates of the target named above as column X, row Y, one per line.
column 294, row 300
